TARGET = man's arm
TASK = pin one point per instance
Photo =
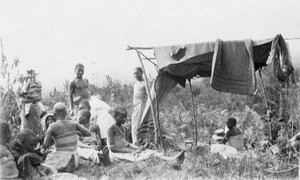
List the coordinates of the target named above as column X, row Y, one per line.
column 227, row 136
column 48, row 137
column 83, row 130
column 72, row 91
column 98, row 134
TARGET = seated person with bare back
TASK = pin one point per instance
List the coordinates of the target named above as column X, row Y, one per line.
column 78, row 87
column 8, row 167
column 234, row 136
column 121, row 150
column 64, row 133
column 90, row 147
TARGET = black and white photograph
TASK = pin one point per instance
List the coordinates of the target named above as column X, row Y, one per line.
column 149, row 89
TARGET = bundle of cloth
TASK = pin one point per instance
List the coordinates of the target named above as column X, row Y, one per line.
column 101, row 115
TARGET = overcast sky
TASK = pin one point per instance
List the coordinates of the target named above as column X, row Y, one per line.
column 52, row 36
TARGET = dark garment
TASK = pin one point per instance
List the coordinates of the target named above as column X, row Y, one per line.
column 233, row 67
column 28, row 162
column 232, row 132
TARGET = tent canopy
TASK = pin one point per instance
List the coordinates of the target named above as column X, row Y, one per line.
column 182, row 62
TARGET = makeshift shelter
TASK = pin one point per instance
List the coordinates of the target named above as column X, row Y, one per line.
column 230, row 64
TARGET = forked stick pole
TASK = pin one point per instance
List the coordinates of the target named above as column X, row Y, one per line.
column 151, row 105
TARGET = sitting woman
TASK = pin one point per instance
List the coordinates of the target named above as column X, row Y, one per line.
column 120, row 149
column 27, row 158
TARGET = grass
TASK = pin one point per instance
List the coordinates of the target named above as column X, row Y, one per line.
column 198, row 164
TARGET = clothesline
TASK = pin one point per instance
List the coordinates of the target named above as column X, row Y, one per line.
column 150, row 48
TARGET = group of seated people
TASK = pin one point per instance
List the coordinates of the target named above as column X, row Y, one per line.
column 66, row 141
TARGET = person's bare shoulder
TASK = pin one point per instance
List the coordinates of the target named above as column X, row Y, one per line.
column 111, row 128
column 72, row 83
column 94, row 127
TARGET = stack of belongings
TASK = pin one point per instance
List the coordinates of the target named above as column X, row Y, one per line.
column 217, row 147
column 31, row 92
column 218, row 136
column 32, row 107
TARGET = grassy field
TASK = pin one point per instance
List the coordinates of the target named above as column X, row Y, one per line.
column 199, row 164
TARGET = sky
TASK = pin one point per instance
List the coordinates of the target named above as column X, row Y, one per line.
column 51, row 37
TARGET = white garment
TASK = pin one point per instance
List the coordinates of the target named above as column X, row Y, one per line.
column 100, row 115
column 139, row 102
column 133, row 157
column 224, row 150
column 89, row 154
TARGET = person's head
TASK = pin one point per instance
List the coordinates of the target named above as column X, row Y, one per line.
column 138, row 73
column 5, row 132
column 84, row 116
column 28, row 139
column 120, row 115
column 60, row 111
column 84, row 104
column 49, row 119
column 79, row 70
column 231, row 122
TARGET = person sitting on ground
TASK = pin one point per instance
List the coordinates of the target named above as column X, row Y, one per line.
column 46, row 121
column 120, row 149
column 27, row 158
column 78, row 87
column 65, row 158
column 90, row 147
column 8, row 167
column 234, row 136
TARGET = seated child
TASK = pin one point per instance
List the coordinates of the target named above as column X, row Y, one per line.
column 65, row 157
column 90, row 147
column 120, row 149
column 234, row 136
column 46, row 121
column 84, row 104
column 8, row 167
column 28, row 160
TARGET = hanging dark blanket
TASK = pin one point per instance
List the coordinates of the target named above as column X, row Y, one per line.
column 233, row 67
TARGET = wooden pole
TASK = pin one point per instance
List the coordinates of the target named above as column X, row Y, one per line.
column 266, row 102
column 151, row 106
column 135, row 48
column 158, row 124
column 194, row 116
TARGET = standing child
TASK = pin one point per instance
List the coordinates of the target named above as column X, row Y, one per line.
column 139, row 102
column 78, row 87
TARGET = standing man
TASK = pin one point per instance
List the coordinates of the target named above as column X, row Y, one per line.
column 78, row 87
column 139, row 102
